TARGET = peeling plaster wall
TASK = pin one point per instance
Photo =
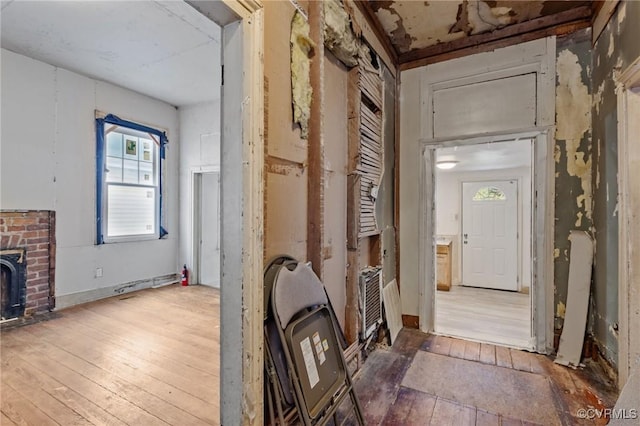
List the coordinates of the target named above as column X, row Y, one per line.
column 572, row 154
column 616, row 47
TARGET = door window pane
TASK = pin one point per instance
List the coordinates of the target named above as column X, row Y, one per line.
column 489, row 193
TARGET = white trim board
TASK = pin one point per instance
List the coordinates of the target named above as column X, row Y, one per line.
column 628, row 98
column 68, row 300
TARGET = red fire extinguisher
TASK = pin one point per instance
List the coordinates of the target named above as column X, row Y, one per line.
column 185, row 276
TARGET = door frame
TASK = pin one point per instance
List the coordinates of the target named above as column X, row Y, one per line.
column 543, row 193
column 196, row 217
column 628, row 229
column 519, row 214
column 241, row 207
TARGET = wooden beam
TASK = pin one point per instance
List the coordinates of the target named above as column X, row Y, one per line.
column 559, row 30
column 603, row 11
column 375, row 24
column 315, row 152
column 512, row 32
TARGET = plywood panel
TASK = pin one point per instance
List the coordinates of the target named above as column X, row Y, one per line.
column 489, row 106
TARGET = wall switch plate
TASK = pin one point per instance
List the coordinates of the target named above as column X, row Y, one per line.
column 98, row 272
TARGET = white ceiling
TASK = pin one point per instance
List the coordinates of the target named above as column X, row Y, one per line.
column 488, row 156
column 164, row 49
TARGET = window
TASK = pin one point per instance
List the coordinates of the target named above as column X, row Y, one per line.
column 489, row 193
column 129, row 180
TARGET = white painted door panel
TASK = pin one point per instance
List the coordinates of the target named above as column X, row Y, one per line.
column 484, row 107
column 209, row 227
column 490, row 234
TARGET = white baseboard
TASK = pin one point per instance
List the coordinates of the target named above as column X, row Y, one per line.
column 68, row 300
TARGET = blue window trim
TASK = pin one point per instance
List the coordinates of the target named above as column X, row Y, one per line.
column 100, row 165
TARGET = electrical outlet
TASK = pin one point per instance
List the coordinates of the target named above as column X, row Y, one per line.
column 98, row 272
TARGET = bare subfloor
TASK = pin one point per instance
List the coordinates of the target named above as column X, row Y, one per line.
column 435, row 380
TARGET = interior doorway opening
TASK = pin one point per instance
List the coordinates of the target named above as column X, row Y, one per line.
column 206, row 228
column 483, row 241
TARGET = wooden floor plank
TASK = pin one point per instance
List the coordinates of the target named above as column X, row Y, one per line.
column 488, row 353
column 148, row 358
column 168, row 350
column 6, row 421
column 521, row 360
column 472, row 351
column 457, row 348
column 441, row 345
column 21, row 410
column 410, row 408
column 49, row 405
column 128, row 390
column 421, row 409
column 182, row 377
column 503, row 357
column 38, row 355
column 200, row 399
column 71, row 399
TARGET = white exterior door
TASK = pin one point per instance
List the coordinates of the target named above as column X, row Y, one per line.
column 490, row 234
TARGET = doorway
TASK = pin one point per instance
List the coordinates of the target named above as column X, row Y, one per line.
column 483, row 241
column 206, row 228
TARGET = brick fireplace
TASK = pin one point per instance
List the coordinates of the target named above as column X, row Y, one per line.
column 27, row 261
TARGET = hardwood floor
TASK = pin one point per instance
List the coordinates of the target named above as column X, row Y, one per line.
column 144, row 358
column 492, row 316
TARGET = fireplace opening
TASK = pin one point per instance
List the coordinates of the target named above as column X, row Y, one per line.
column 13, row 288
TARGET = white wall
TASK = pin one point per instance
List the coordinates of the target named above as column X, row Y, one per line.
column 48, row 162
column 199, row 151
column 449, row 212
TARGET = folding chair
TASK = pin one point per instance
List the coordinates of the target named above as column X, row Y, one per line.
column 317, row 374
column 278, row 391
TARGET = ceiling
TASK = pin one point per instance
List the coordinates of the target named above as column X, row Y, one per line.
column 488, row 156
column 164, row 49
column 421, row 29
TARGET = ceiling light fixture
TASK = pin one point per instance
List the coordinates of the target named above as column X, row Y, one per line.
column 446, row 165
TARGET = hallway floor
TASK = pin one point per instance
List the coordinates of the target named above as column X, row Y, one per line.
column 436, row 380
column 496, row 316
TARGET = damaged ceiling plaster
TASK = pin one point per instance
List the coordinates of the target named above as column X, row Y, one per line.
column 413, row 25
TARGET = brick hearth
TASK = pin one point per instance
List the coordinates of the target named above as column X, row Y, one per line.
column 33, row 232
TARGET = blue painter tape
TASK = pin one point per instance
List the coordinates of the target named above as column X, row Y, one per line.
column 100, row 164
